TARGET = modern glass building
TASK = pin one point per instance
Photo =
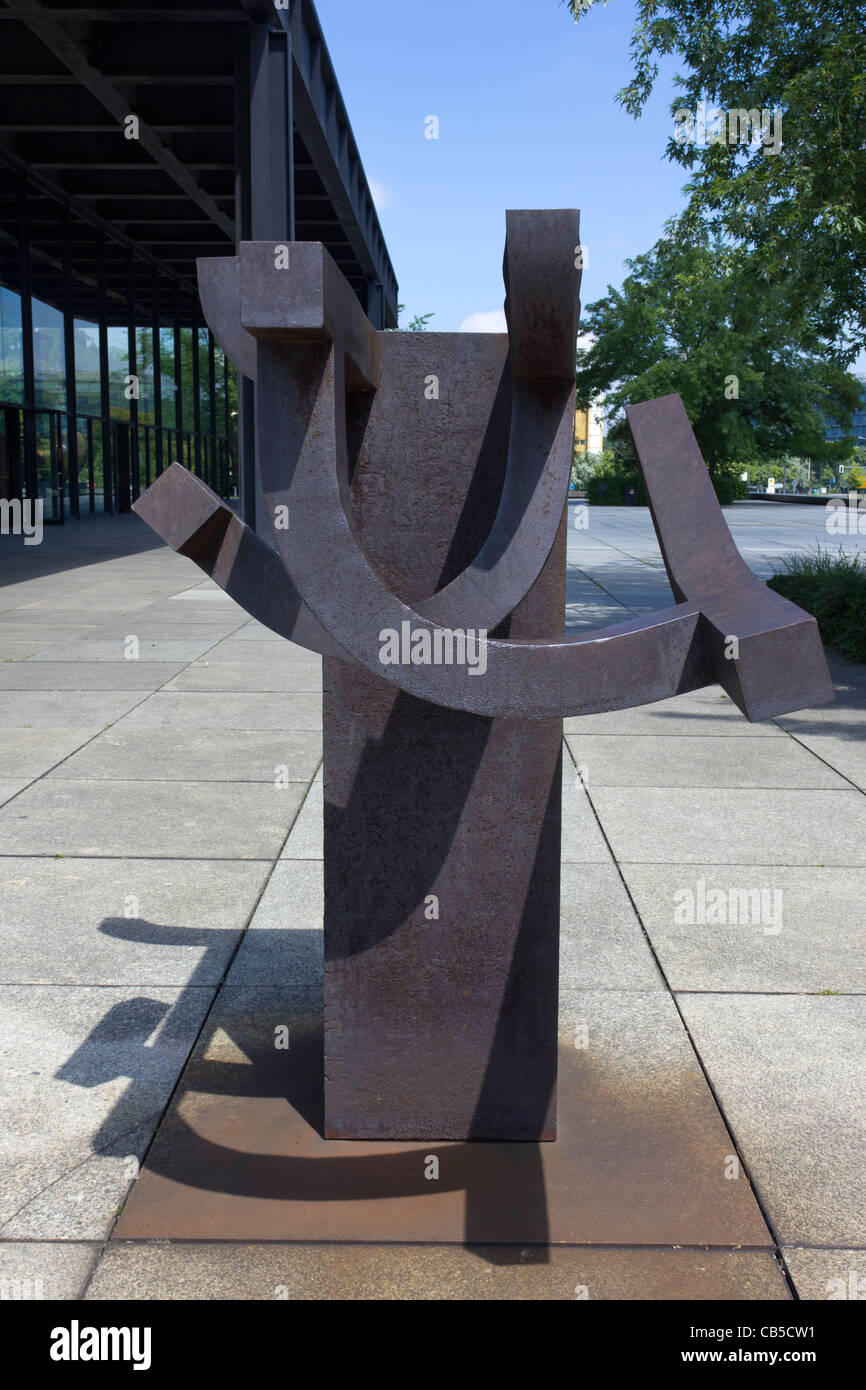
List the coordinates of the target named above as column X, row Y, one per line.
column 134, row 138
column 857, row 427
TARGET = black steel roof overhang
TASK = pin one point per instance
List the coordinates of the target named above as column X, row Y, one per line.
column 70, row 76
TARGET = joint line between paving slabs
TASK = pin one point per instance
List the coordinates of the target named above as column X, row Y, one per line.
column 194, row 1044
column 87, row 742
column 839, row 773
column 777, row 1246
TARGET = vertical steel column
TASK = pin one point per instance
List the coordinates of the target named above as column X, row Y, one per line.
column 31, row 479
column 214, row 480
column 157, row 378
column 69, row 362
column 376, row 303
column 243, row 221
column 265, row 196
column 228, row 421
column 196, row 394
column 132, row 353
column 272, row 162
column 104, row 377
column 178, row 375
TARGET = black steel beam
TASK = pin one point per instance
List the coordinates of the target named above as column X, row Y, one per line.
column 140, row 79
column 86, row 214
column 47, row 27
column 93, row 14
column 321, row 119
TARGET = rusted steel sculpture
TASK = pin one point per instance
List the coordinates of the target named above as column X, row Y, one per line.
column 416, row 488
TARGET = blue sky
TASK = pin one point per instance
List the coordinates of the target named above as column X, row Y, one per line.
column 527, row 118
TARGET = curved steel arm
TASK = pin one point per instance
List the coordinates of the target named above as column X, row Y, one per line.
column 313, row 345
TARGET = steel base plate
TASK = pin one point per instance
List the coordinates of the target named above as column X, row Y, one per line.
column 640, row 1159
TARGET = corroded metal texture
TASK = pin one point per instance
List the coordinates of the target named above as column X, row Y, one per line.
column 441, row 934
column 639, row 1158
column 415, row 486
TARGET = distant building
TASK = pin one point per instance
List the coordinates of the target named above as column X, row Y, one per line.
column 858, row 421
column 236, row 131
column 589, row 428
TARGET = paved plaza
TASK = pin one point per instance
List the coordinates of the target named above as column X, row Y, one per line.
column 161, row 906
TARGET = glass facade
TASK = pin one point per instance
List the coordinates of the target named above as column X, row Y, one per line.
column 96, row 462
column 88, row 416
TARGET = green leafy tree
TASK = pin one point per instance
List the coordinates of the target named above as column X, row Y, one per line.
column 803, row 204
column 697, row 319
column 418, row 324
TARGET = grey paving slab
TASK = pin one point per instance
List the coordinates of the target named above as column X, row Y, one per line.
column 846, row 754
column 64, row 709
column 113, row 649
column 602, row 945
column 582, row 841
column 253, row 631
column 87, row 675
column 11, row 786
column 201, row 755
column 741, row 928
column 182, row 710
column 277, row 654
column 83, row 608
column 34, row 1271
column 22, row 650
column 31, row 752
column 404, row 1273
column 284, row 941
column 306, row 837
column 646, row 760
column 702, row 713
column 226, row 616
column 245, row 675
column 87, row 1074
column 740, row 826
column 164, row 616
column 185, row 635
column 123, row 921
column 837, row 733
column 172, row 820
column 788, row 1073
column 38, row 635
column 828, row 1275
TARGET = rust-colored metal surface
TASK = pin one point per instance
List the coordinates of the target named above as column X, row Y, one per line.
column 640, row 1156
column 415, row 485
column 441, row 935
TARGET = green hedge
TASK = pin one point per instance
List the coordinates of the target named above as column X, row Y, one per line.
column 832, row 587
column 615, row 483
column 616, row 479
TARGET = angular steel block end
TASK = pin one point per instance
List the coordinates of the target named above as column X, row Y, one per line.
column 219, row 289
column 764, row 651
column 184, row 511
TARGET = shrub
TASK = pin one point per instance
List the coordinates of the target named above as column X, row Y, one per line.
column 728, row 484
column 608, row 479
column 612, row 475
column 832, row 587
